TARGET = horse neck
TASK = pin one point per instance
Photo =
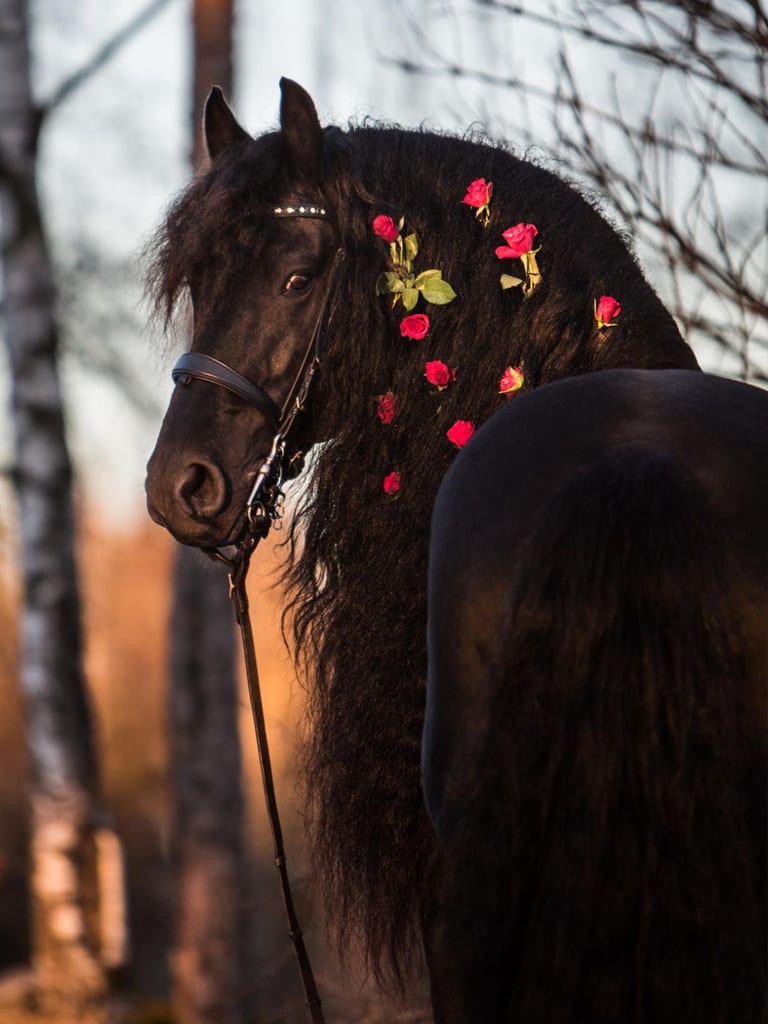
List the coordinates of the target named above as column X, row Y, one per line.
column 551, row 334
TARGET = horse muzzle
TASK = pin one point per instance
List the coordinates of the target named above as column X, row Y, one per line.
column 192, row 498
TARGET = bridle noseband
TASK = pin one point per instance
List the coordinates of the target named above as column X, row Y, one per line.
column 262, row 509
column 198, row 366
column 263, row 505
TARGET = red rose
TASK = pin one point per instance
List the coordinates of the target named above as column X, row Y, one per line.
column 460, row 432
column 511, row 380
column 519, row 239
column 607, row 311
column 387, row 407
column 439, row 374
column 479, row 193
column 385, row 228
column 415, row 326
column 391, row 483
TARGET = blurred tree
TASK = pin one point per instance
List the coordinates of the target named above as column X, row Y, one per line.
column 79, row 933
column 206, row 838
column 76, row 934
column 662, row 107
column 207, row 853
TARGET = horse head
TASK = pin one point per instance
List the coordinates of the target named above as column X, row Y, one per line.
column 254, row 244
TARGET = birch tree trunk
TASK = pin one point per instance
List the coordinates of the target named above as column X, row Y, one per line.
column 204, row 743
column 70, row 851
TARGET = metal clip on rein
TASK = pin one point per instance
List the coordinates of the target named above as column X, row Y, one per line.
column 260, row 512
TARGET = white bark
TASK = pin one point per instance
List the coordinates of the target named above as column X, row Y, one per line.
column 65, row 811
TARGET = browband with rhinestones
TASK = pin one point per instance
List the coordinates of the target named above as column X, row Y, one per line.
column 300, row 211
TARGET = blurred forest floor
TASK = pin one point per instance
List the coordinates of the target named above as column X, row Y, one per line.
column 126, row 590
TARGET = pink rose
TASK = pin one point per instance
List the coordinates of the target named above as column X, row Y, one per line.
column 385, row 228
column 479, row 193
column 460, row 432
column 511, row 380
column 519, row 239
column 607, row 311
column 387, row 407
column 415, row 326
column 391, row 483
column 439, row 374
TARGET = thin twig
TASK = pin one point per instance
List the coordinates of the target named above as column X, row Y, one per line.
column 102, row 56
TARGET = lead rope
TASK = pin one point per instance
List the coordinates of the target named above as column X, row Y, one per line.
column 240, row 599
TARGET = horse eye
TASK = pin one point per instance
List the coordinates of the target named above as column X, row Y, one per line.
column 298, row 283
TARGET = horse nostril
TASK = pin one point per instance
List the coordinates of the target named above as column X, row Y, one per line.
column 201, row 489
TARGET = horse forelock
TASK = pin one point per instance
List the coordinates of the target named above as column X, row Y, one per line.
column 214, row 226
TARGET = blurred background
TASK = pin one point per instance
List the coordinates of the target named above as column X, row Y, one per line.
column 135, row 868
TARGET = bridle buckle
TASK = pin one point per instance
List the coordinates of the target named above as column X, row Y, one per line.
column 264, row 506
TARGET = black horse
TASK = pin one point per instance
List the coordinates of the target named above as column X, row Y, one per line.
column 593, row 749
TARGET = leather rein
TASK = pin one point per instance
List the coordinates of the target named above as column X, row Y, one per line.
column 263, row 508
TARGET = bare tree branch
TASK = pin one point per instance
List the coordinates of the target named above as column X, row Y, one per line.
column 680, row 172
column 102, row 56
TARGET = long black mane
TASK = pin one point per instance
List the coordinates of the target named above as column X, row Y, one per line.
column 356, row 566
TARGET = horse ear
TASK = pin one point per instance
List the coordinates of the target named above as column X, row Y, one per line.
column 220, row 124
column 301, row 130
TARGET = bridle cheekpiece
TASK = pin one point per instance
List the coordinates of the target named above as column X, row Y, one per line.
column 263, row 506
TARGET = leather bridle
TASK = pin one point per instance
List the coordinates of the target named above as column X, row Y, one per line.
column 262, row 509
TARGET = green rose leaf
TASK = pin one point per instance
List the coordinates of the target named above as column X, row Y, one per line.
column 508, row 281
column 389, row 282
column 427, row 275
column 410, row 298
column 411, row 247
column 438, row 292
